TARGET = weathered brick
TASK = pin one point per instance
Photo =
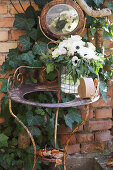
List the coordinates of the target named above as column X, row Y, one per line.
column 110, row 91
column 102, row 136
column 5, row 46
column 98, row 125
column 73, row 149
column 87, row 137
column 16, row 33
column 83, row 114
column 6, row 22
column 102, row 103
column 20, row 10
column 2, row 59
column 3, row 9
column 64, row 134
column 3, row 35
column 103, row 113
column 93, row 147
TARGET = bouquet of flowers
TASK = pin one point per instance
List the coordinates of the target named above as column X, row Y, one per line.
column 77, row 59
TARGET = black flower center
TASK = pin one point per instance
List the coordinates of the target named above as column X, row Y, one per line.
column 85, row 54
column 77, row 47
column 75, row 61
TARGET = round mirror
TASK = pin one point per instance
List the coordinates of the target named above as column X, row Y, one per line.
column 60, row 18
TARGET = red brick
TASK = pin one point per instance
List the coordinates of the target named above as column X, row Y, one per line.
column 18, row 7
column 110, row 91
column 73, row 149
column 2, row 59
column 3, row 35
column 103, row 113
column 83, row 114
column 98, row 125
column 101, row 103
column 64, row 134
column 3, row 9
column 93, row 147
column 16, row 33
column 108, row 44
column 6, row 22
column 102, row 136
column 5, row 46
column 87, row 137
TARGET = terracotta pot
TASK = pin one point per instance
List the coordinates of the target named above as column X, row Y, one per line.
column 2, row 120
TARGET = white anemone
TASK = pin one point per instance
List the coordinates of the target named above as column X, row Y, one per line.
column 75, row 60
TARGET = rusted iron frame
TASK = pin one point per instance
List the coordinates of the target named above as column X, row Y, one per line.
column 67, row 142
column 30, row 135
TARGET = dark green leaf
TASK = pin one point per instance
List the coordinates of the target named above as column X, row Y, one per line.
column 34, row 33
column 35, row 131
column 98, row 2
column 4, row 86
column 28, row 57
column 28, row 162
column 22, row 22
column 41, row 3
column 3, row 140
column 34, row 120
column 30, row 12
column 103, row 89
column 25, row 41
column 39, row 48
column 72, row 117
column 40, row 111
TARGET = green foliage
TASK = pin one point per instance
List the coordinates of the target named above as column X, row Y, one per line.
column 3, row 140
column 25, row 40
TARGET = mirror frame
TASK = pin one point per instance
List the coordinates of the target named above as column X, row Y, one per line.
column 46, row 8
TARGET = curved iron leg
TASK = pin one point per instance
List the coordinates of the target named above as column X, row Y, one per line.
column 66, row 146
column 33, row 142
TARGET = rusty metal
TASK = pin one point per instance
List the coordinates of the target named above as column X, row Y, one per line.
column 32, row 139
column 17, row 93
column 56, row 119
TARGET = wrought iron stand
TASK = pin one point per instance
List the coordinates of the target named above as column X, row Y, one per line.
column 17, row 93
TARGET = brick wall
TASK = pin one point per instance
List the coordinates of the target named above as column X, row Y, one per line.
column 95, row 134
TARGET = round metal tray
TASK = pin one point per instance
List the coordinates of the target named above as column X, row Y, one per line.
column 17, row 94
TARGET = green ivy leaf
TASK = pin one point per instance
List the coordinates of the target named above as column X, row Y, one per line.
column 39, row 48
column 49, row 67
column 25, row 40
column 107, row 35
column 34, row 33
column 72, row 117
column 30, row 12
column 40, row 111
column 98, row 2
column 34, row 120
column 35, row 131
column 4, row 86
column 28, row 162
column 3, row 140
column 28, row 57
column 22, row 22
column 14, row 142
column 103, row 89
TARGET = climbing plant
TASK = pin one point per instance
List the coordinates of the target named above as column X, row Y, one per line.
column 40, row 120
